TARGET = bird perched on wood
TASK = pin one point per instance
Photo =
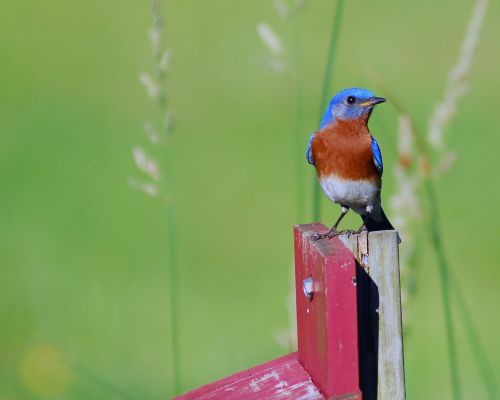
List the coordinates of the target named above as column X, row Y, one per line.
column 348, row 160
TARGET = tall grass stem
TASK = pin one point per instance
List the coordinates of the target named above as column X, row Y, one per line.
column 174, row 282
column 449, row 283
column 478, row 350
column 327, row 81
column 437, row 243
column 167, row 183
column 443, row 113
column 297, row 105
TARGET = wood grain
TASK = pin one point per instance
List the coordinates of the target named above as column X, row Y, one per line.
column 327, row 325
column 378, row 256
column 279, row 379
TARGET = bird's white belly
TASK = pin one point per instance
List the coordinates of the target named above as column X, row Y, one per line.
column 355, row 194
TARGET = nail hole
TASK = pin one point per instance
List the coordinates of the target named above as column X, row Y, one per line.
column 308, row 287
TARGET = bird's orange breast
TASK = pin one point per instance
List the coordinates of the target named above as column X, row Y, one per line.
column 344, row 149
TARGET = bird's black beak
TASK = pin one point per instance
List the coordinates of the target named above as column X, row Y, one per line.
column 377, row 100
column 373, row 101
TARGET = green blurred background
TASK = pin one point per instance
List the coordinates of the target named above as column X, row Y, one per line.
column 84, row 305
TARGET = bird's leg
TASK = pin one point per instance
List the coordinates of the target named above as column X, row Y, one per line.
column 332, row 232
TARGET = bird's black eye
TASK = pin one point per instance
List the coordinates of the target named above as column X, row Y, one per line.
column 351, row 100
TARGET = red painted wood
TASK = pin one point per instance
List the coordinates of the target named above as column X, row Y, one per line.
column 326, row 365
column 327, row 324
column 282, row 378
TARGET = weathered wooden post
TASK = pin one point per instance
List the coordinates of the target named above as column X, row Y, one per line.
column 379, row 317
column 348, row 325
column 350, row 335
column 327, row 323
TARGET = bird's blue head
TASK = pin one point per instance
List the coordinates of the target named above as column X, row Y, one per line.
column 350, row 103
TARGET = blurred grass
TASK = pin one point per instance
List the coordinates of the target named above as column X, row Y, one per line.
column 326, row 93
column 82, row 254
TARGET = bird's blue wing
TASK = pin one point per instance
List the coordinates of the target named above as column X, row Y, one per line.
column 377, row 156
column 309, row 155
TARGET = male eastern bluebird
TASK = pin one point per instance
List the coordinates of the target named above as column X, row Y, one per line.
column 348, row 160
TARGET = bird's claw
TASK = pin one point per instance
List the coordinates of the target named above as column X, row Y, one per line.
column 318, row 236
column 348, row 232
column 328, row 235
column 331, row 234
column 362, row 229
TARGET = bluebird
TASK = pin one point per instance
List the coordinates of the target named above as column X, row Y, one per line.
column 348, row 160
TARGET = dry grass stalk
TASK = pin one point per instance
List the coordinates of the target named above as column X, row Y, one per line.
column 161, row 185
column 411, row 172
column 428, row 171
column 457, row 87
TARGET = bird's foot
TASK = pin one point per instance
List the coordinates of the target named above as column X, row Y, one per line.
column 362, row 228
column 328, row 235
column 333, row 233
column 348, row 232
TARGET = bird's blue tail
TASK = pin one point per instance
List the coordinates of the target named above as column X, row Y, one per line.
column 383, row 223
